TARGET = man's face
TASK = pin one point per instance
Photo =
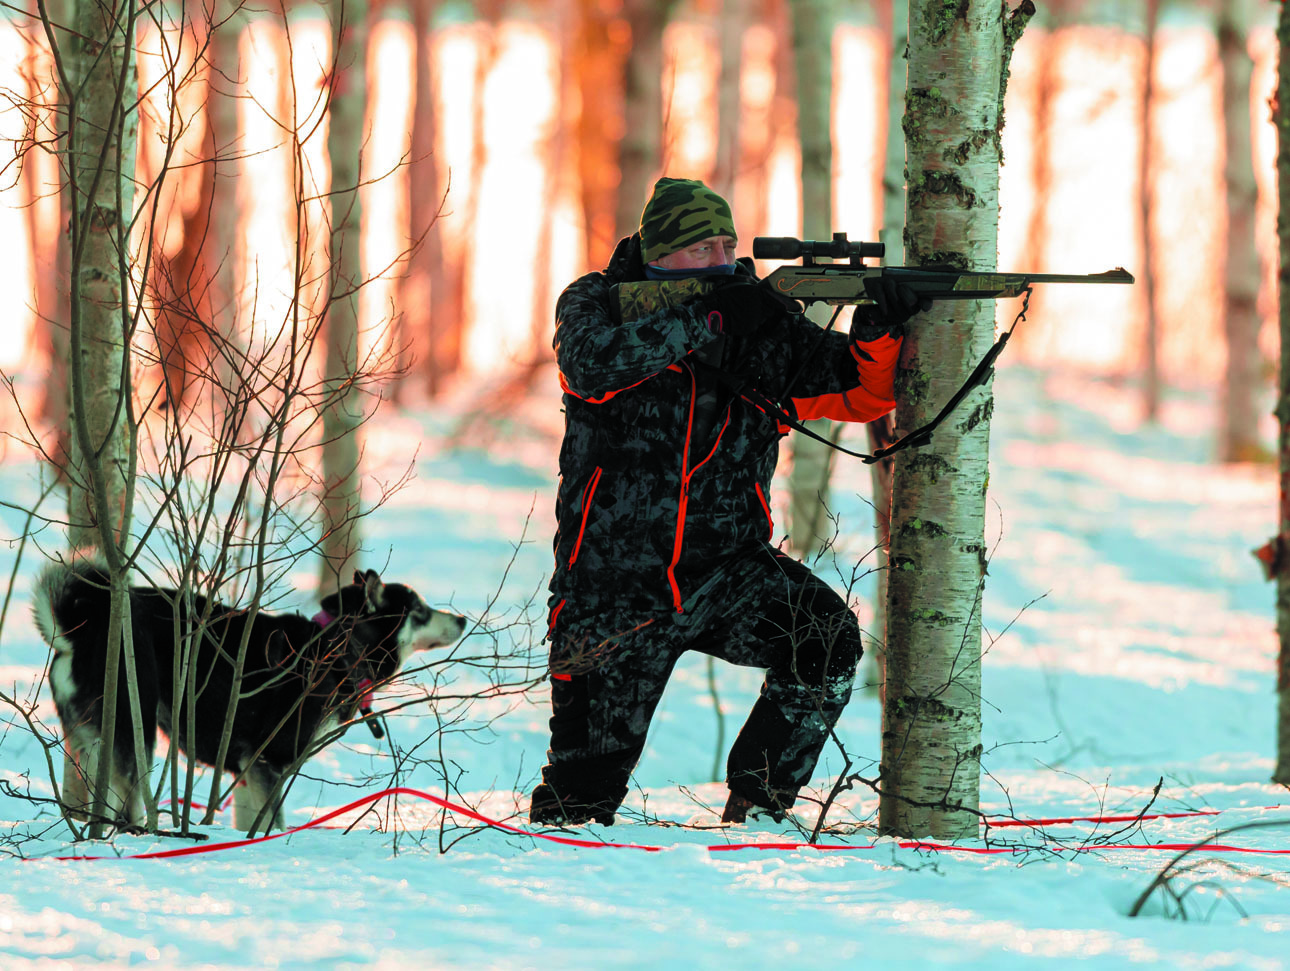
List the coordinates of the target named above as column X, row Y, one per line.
column 713, row 251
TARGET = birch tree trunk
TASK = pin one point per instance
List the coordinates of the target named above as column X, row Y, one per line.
column 221, row 117
column 457, row 251
column 435, row 286
column 640, row 153
column 182, row 284
column 1281, row 544
column 881, row 431
column 599, row 55
column 931, row 742
column 892, row 232
column 102, row 135
column 420, row 317
column 809, row 527
column 1239, row 440
column 51, row 252
column 346, row 135
column 1051, row 20
column 101, row 91
column 555, row 151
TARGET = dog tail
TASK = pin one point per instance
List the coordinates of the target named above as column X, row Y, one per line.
column 67, row 595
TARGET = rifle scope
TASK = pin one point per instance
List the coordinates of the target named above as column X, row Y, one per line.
column 791, row 248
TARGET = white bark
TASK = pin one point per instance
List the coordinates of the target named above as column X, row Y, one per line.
column 101, row 90
column 99, row 60
column 931, row 742
column 1281, row 773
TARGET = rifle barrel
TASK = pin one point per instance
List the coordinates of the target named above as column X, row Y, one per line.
column 844, row 284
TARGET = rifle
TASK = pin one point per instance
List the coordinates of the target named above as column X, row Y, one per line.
column 839, row 284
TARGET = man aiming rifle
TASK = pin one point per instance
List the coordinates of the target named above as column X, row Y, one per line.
column 664, row 529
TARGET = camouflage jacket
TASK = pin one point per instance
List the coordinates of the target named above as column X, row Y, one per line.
column 666, row 463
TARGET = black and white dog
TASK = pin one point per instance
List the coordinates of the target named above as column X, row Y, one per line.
column 302, row 678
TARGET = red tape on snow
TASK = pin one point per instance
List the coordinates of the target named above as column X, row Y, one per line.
column 720, row 848
column 359, row 804
column 1134, row 817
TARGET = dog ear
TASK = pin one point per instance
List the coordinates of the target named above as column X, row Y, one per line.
column 374, row 589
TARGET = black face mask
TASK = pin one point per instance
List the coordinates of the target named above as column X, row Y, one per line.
column 660, row 273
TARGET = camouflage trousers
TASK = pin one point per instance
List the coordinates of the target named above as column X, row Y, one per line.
column 766, row 611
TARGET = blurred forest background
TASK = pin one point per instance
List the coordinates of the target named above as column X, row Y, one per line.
column 506, row 146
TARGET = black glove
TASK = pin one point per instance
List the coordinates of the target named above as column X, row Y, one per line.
column 893, row 304
column 738, row 307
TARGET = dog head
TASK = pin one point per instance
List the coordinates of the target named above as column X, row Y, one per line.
column 392, row 610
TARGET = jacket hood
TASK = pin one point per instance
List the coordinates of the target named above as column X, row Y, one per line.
column 626, row 265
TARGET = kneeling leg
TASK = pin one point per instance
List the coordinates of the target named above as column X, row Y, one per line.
column 809, row 642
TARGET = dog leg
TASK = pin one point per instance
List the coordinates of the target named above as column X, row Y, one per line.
column 89, row 756
column 127, row 794
column 257, row 789
column 75, row 791
column 81, row 772
column 123, row 801
column 274, row 796
column 120, row 788
column 246, row 804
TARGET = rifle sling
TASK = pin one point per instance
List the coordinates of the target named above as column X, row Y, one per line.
column 919, row 436
column 923, row 435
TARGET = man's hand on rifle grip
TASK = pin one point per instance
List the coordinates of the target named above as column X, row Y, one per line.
column 893, row 304
column 738, row 307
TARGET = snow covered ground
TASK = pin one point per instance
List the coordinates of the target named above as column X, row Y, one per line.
column 1131, row 643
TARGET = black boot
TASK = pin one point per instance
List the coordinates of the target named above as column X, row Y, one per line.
column 738, row 809
column 547, row 808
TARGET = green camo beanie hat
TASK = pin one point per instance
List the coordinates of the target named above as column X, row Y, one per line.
column 680, row 213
